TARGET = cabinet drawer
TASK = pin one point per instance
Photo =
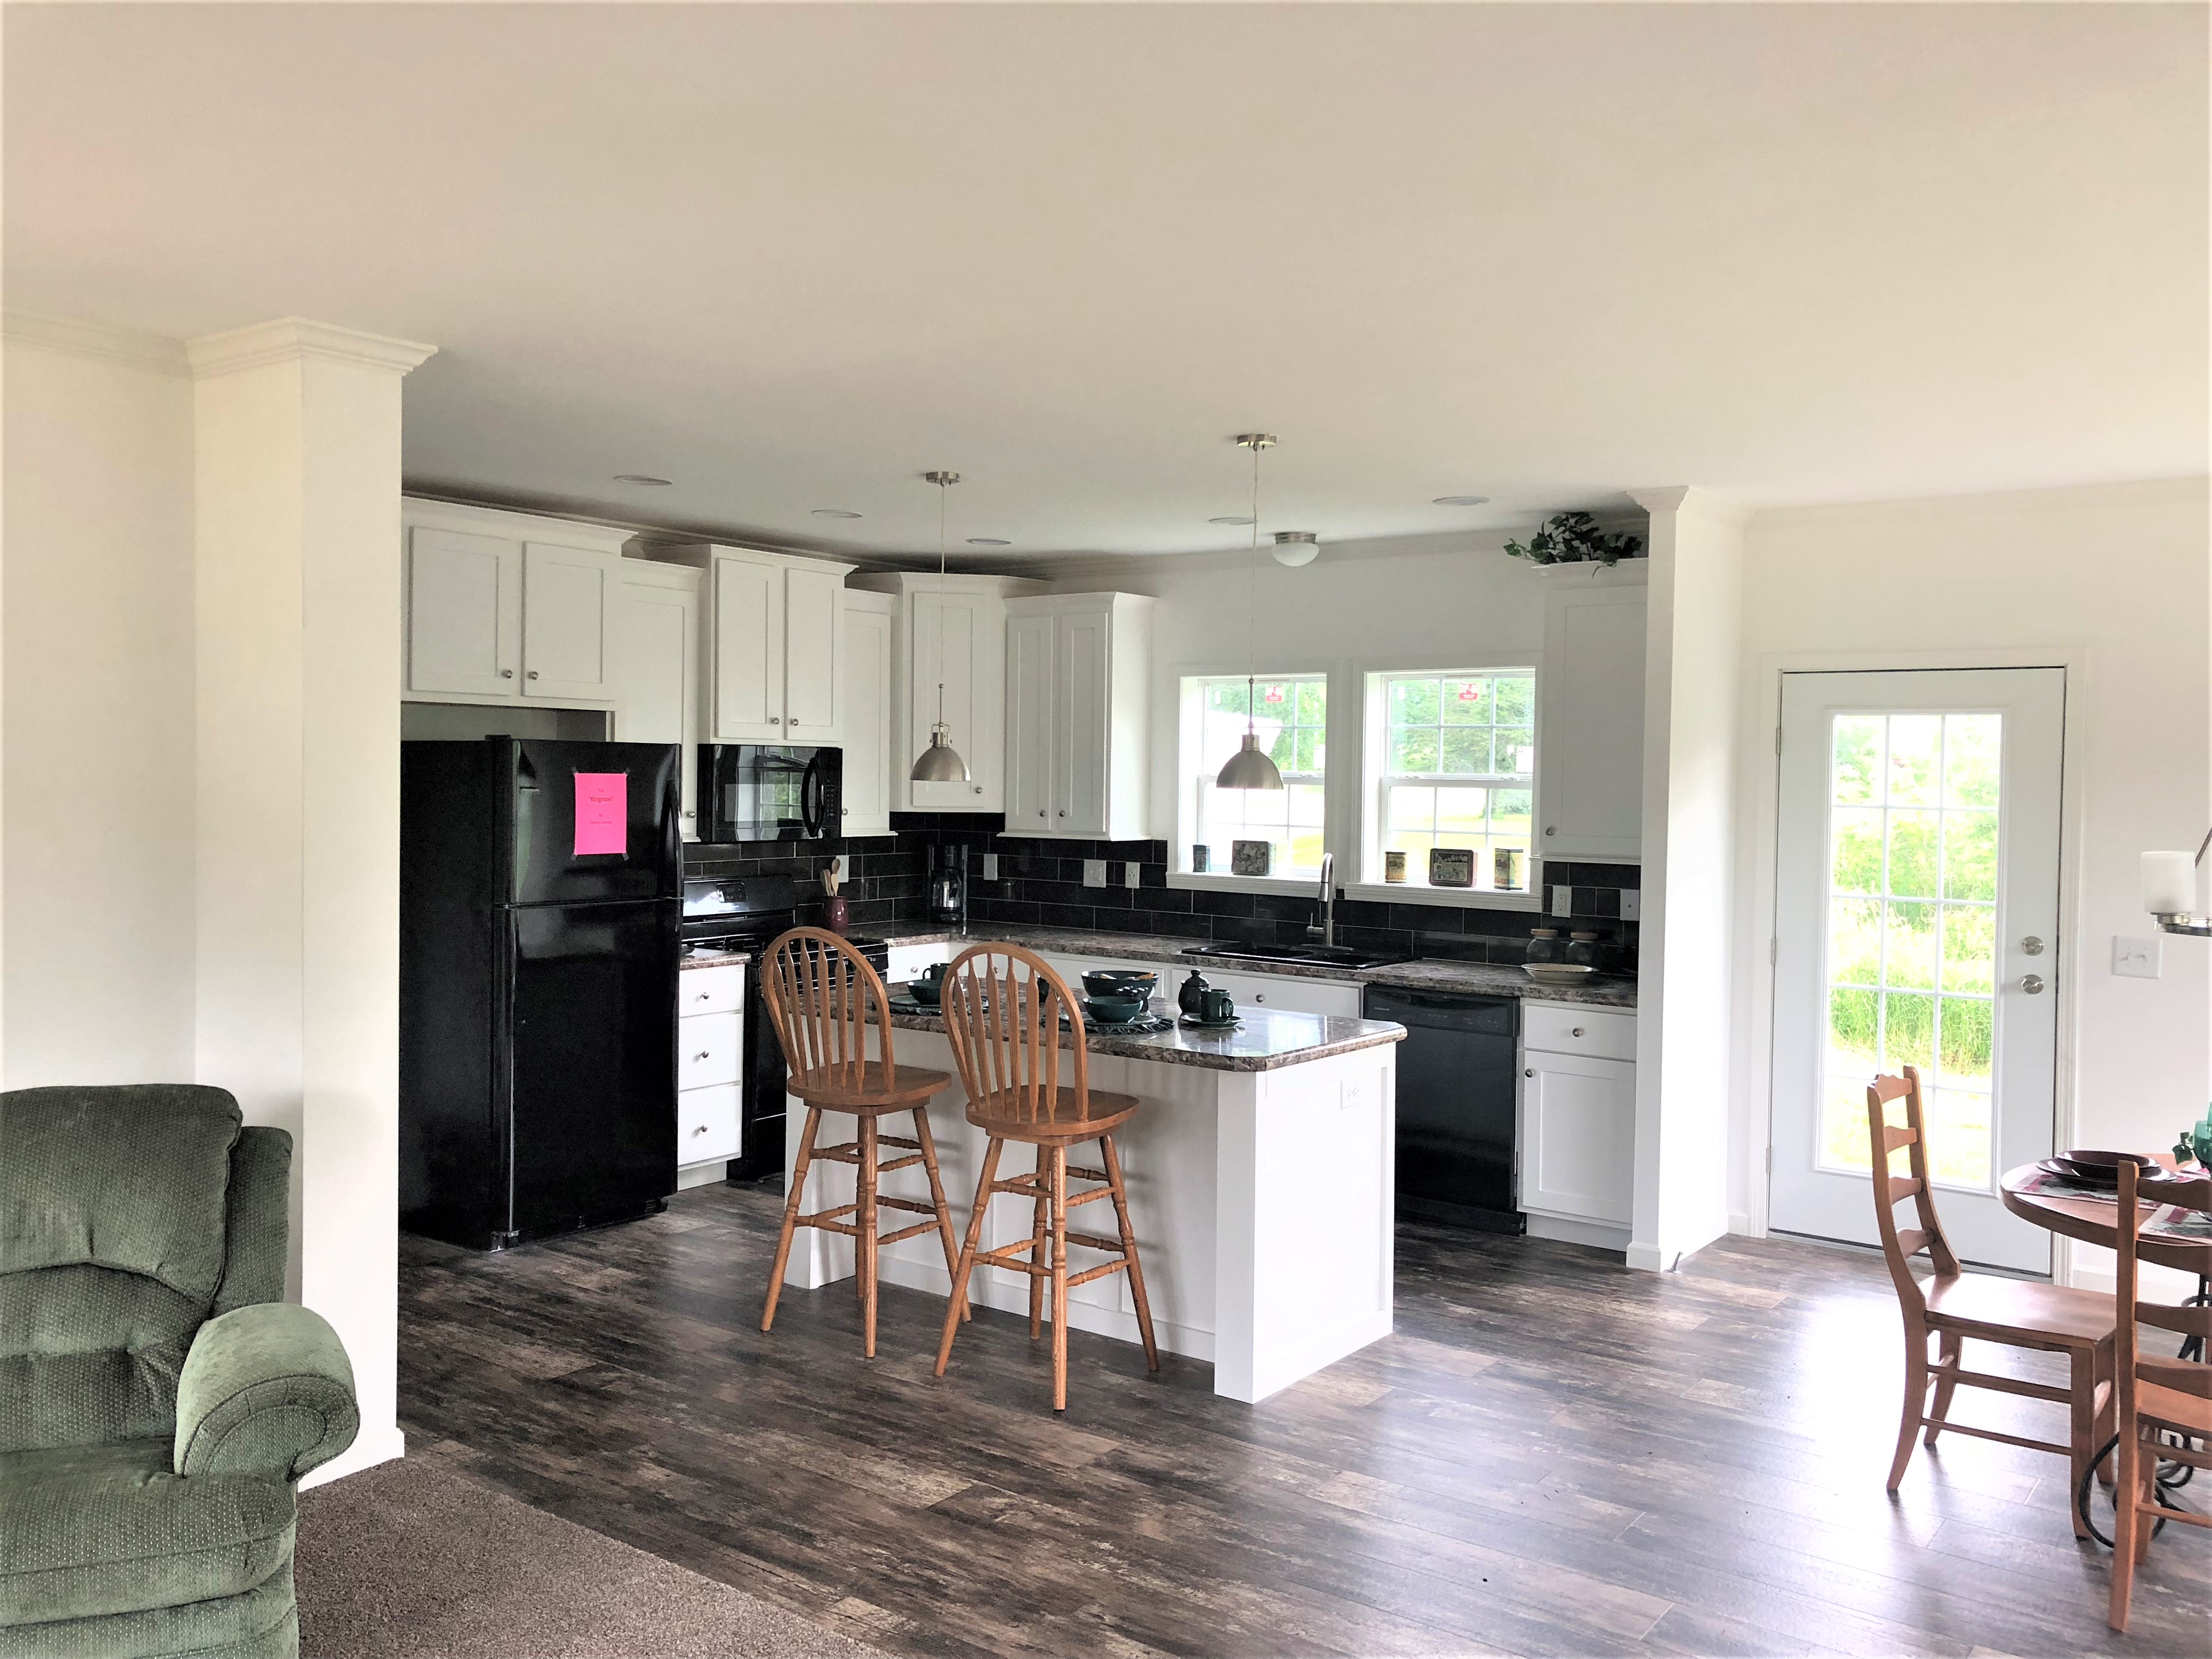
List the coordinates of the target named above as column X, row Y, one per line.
column 1286, row 993
column 908, row 960
column 710, row 990
column 707, row 1049
column 1560, row 1028
column 706, row 1122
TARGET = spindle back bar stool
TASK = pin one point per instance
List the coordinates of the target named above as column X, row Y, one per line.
column 820, row 991
column 1003, row 1006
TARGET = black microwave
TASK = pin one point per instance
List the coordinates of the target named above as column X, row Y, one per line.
column 769, row 792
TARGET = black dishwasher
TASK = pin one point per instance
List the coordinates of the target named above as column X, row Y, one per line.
column 1457, row 1106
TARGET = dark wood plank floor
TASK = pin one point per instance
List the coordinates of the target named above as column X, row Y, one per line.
column 1552, row 1455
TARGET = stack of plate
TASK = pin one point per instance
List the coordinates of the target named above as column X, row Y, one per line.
column 2093, row 1168
column 1556, row 973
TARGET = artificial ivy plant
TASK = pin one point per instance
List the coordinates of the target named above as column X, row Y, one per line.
column 1574, row 538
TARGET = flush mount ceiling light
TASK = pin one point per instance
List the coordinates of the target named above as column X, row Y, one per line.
column 1251, row 767
column 1296, row 547
column 940, row 762
column 1232, row 518
column 835, row 513
column 642, row 479
column 989, row 541
column 1462, row 500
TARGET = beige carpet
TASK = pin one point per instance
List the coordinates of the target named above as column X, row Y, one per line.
column 410, row 1561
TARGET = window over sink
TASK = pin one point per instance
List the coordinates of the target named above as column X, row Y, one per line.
column 1451, row 765
column 1290, row 715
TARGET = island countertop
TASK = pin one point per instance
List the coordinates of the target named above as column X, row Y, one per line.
column 1262, row 1039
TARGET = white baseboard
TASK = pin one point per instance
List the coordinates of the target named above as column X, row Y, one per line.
column 1739, row 1224
column 702, row 1175
column 1566, row 1230
column 370, row 1447
column 1648, row 1258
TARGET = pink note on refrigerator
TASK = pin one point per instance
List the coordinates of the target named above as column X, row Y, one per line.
column 602, row 812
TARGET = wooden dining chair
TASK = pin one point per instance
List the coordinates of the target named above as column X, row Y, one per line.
column 1002, row 1007
column 1952, row 1306
column 2159, row 1401
column 820, row 991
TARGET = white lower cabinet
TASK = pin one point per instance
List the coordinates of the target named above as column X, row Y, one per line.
column 710, row 1036
column 1577, row 1132
column 1284, row 993
column 908, row 960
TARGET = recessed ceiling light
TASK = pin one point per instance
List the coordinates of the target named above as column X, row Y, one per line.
column 989, row 541
column 640, row 478
column 835, row 513
column 1232, row 518
column 1462, row 500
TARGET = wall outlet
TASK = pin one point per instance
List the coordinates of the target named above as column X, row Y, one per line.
column 1094, row 873
column 990, row 867
column 2136, row 958
column 1132, row 874
column 1631, row 904
column 1563, row 900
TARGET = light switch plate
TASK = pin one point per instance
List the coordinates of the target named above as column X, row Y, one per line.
column 2136, row 958
column 1094, row 873
column 1132, row 874
column 990, row 867
column 1563, row 900
column 1631, row 904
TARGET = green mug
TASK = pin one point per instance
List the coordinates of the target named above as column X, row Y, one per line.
column 1219, row 1008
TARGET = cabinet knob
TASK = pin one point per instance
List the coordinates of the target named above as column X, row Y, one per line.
column 1551, row 829
column 777, row 719
column 533, row 673
column 1578, row 1031
column 979, row 788
column 688, row 814
column 2032, row 984
column 506, row 673
column 699, row 1129
column 1531, row 1072
column 1063, row 811
column 1039, row 811
column 1259, row 996
column 701, row 1054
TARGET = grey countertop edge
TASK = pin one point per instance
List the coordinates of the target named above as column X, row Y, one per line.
column 722, row 959
column 1429, row 973
column 1214, row 1051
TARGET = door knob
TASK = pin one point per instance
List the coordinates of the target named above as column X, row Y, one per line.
column 2031, row 946
column 2032, row 984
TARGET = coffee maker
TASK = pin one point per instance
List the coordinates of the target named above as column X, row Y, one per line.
column 948, row 886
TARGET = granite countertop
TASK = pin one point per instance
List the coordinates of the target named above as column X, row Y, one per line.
column 1263, row 1039
column 712, row 959
column 1429, row 973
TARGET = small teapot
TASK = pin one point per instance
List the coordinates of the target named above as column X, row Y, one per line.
column 1191, row 997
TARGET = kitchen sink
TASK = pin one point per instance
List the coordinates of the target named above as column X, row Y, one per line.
column 1298, row 955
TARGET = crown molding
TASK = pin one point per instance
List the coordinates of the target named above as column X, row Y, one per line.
column 288, row 338
column 1688, row 498
column 102, row 340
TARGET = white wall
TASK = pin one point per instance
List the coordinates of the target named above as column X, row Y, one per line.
column 2118, row 581
column 96, row 881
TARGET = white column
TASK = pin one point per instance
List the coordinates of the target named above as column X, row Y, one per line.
column 1693, row 644
column 297, row 625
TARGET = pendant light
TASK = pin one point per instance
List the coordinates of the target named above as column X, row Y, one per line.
column 940, row 762
column 1251, row 767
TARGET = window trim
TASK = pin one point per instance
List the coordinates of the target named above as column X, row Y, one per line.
column 1189, row 721
column 1374, row 755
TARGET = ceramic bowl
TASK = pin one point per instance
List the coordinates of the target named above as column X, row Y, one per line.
column 926, row 990
column 1120, row 982
column 1113, row 1011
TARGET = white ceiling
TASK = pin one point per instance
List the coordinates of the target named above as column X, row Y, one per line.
column 790, row 257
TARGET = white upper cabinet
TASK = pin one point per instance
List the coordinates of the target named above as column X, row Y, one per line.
column 778, row 624
column 748, row 700
column 1590, row 736
column 871, row 619
column 464, row 612
column 506, row 607
column 1077, row 687
column 565, row 593
column 653, row 665
column 952, row 629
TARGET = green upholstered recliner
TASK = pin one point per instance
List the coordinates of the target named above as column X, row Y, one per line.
column 159, row 1399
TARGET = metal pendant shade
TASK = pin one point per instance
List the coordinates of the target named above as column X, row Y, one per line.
column 1251, row 767
column 940, row 762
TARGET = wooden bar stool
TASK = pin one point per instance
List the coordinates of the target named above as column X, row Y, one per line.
column 2165, row 1405
column 1954, row 1305
column 1002, row 1008
column 814, row 983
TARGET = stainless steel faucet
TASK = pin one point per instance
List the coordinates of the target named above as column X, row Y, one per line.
column 1326, row 933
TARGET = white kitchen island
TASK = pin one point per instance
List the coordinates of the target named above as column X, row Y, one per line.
column 1260, row 1187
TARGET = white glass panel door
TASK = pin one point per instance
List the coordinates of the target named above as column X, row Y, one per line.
column 1916, row 909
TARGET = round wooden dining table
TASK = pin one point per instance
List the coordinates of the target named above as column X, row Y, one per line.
column 2094, row 1222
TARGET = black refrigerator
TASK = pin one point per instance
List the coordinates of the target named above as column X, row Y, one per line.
column 540, row 889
